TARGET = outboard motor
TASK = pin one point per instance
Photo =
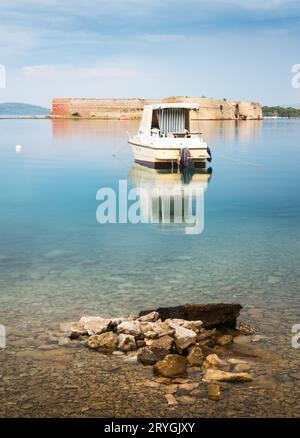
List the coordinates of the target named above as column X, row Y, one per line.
column 185, row 158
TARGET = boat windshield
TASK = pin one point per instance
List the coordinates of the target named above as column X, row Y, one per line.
column 171, row 121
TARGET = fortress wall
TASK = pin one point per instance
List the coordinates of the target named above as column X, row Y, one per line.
column 250, row 110
column 210, row 109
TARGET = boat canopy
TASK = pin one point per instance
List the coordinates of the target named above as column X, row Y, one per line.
column 182, row 105
column 166, row 117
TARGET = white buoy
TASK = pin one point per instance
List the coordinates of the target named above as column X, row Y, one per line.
column 18, row 148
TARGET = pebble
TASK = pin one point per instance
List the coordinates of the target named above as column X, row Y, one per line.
column 180, row 380
column 151, row 384
column 27, row 406
column 165, row 380
column 170, row 389
column 171, row 399
column 130, row 359
column 199, row 392
column 214, row 392
column 186, row 399
column 189, row 386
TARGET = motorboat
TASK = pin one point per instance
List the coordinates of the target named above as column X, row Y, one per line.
column 165, row 138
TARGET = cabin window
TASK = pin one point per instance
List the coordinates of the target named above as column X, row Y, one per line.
column 169, row 120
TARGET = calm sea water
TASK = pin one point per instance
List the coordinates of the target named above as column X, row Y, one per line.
column 57, row 262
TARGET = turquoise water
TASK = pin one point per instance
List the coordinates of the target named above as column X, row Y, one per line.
column 57, row 262
column 49, row 229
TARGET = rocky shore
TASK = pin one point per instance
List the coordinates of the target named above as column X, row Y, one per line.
column 182, row 351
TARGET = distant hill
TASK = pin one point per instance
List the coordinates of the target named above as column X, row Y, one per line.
column 22, row 109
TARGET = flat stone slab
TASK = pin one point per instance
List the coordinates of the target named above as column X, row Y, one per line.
column 212, row 315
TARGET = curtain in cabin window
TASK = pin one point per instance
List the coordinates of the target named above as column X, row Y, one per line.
column 171, row 120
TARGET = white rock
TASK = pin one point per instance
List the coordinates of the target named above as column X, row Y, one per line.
column 162, row 328
column 95, row 325
column 150, row 317
column 151, row 335
column 146, row 327
column 191, row 325
column 126, row 342
column 129, row 328
column 116, row 321
column 183, row 337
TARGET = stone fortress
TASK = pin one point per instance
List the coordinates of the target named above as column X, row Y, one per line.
column 130, row 109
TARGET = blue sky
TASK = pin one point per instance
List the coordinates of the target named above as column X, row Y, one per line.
column 149, row 48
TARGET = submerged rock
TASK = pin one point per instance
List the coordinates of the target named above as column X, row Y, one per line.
column 104, row 342
column 235, row 361
column 214, row 392
column 213, row 361
column 172, row 365
column 247, row 329
column 242, row 339
column 188, row 386
column 224, row 340
column 74, row 329
column 186, row 399
column 242, row 367
column 258, row 338
column 86, row 319
column 224, row 376
column 131, row 359
column 62, row 341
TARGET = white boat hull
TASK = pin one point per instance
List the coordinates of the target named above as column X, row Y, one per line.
column 166, row 152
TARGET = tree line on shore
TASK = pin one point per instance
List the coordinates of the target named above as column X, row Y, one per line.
column 279, row 111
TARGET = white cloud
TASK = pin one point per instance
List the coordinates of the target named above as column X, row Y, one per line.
column 109, row 70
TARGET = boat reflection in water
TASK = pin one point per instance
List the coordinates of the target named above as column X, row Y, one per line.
column 172, row 199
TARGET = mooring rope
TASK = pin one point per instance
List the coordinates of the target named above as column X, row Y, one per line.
column 237, row 160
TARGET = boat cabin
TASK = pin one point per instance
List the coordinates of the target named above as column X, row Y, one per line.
column 168, row 120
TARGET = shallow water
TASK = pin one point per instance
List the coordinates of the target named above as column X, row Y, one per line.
column 58, row 263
